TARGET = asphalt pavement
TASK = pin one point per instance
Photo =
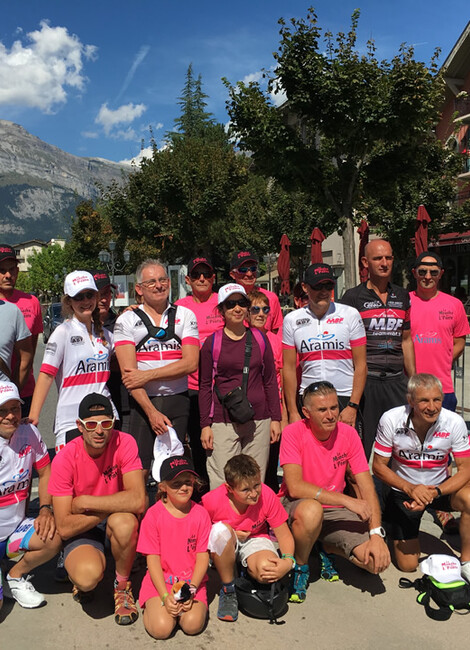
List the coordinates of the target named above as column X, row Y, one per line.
column 360, row 611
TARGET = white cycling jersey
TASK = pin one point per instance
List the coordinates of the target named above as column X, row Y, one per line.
column 130, row 330
column 80, row 365
column 324, row 346
column 18, row 456
column 421, row 463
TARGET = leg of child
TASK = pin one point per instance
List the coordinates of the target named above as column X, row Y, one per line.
column 225, row 562
column 259, row 564
column 193, row 620
column 157, row 621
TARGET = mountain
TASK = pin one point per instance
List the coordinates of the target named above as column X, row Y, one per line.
column 40, row 185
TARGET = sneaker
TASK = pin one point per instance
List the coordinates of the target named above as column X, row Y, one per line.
column 228, row 604
column 299, row 583
column 447, row 521
column 125, row 610
column 82, row 597
column 327, row 568
column 23, row 592
column 61, row 574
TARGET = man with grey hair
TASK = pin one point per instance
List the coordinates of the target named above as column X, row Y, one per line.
column 419, row 437
column 157, row 346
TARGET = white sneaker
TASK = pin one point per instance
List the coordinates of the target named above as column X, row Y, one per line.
column 23, row 592
column 465, row 571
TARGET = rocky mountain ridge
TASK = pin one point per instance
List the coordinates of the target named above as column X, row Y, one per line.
column 40, row 185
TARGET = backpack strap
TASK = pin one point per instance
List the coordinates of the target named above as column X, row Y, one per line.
column 216, row 347
column 152, row 329
column 439, row 614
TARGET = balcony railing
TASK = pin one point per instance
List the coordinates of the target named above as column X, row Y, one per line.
column 462, row 108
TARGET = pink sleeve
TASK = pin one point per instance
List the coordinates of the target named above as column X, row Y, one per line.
column 149, row 536
column 128, row 454
column 461, row 327
column 273, row 510
column 289, row 452
column 61, row 479
column 37, row 326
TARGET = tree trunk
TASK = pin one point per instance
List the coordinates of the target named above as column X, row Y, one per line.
column 349, row 252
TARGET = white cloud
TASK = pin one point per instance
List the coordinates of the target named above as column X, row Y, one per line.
column 253, row 76
column 139, row 57
column 90, row 134
column 109, row 118
column 124, row 134
column 144, row 153
column 37, row 73
column 278, row 95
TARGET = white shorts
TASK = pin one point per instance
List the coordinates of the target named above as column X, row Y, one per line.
column 253, row 545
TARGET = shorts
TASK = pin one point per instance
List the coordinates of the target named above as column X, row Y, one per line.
column 95, row 537
column 148, row 590
column 18, row 542
column 253, row 545
column 403, row 523
column 341, row 527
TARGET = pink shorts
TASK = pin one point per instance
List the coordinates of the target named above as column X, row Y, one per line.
column 147, row 591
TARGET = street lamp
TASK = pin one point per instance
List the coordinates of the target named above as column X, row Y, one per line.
column 111, row 263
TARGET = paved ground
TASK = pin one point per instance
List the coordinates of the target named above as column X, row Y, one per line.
column 360, row 611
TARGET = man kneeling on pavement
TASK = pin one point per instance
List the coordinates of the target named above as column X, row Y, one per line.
column 315, row 454
column 98, row 492
column 36, row 540
column 418, row 437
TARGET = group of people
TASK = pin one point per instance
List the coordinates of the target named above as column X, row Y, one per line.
column 229, row 390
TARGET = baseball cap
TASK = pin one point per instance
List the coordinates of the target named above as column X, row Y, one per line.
column 166, row 445
column 229, row 289
column 101, row 279
column 241, row 257
column 421, row 256
column 195, row 261
column 9, row 391
column 78, row 281
column 174, row 466
column 443, row 568
column 88, row 406
column 7, row 252
column 318, row 273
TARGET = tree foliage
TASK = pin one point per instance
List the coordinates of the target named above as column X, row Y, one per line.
column 47, row 269
column 355, row 134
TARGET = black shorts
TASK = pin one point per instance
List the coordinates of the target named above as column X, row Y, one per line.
column 403, row 523
column 95, row 537
column 175, row 407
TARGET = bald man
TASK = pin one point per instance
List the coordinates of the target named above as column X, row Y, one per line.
column 385, row 310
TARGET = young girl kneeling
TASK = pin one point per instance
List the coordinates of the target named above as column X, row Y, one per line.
column 174, row 536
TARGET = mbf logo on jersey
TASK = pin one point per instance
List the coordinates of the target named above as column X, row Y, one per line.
column 97, row 363
column 441, row 434
column 386, row 321
column 25, row 450
column 322, row 341
column 17, row 482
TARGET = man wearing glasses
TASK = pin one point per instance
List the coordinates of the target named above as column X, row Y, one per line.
column 98, row 492
column 203, row 303
column 157, row 347
column 439, row 325
column 330, row 340
column 244, row 271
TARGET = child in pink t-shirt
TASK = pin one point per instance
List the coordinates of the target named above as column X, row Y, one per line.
column 174, row 536
column 242, row 510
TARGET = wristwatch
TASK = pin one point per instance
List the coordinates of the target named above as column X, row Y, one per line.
column 380, row 531
column 353, row 405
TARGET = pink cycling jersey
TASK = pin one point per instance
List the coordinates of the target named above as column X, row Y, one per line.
column 421, row 463
column 80, row 365
column 130, row 330
column 18, row 456
column 324, row 346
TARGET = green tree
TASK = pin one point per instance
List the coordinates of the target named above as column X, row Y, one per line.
column 350, row 133
column 46, row 273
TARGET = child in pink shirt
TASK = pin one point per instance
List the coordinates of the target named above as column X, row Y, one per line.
column 242, row 510
column 174, row 536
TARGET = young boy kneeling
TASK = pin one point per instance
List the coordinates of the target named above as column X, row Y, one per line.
column 241, row 511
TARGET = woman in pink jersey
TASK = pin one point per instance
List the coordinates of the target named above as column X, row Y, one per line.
column 221, row 371
column 174, row 536
column 77, row 356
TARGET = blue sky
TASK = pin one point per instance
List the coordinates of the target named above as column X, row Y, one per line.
column 89, row 77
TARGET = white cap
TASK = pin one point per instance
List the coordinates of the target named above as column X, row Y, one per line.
column 78, row 281
column 443, row 568
column 227, row 290
column 8, row 391
column 166, row 445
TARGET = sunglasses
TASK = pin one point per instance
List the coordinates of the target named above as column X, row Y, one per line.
column 195, row 275
column 324, row 286
column 86, row 295
column 256, row 310
column 241, row 302
column 317, row 385
column 432, row 272
column 92, row 425
column 245, row 269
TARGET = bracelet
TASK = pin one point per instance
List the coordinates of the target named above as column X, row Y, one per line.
column 287, row 556
column 439, row 492
column 163, row 597
column 48, row 506
column 318, row 493
column 353, row 405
